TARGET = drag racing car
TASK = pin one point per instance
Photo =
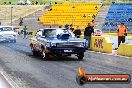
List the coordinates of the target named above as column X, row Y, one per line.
column 57, row 41
column 7, row 34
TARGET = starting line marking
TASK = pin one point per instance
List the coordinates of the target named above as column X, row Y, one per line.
column 116, row 55
column 7, row 81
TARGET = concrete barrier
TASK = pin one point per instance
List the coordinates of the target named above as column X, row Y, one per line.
column 125, row 50
column 114, row 40
column 30, row 33
column 101, row 44
column 115, row 34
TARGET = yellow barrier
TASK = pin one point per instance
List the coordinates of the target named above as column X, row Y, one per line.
column 115, row 34
column 101, row 43
column 125, row 50
column 30, row 33
column 19, row 27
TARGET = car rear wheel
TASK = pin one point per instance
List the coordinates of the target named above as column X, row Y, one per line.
column 80, row 56
column 35, row 53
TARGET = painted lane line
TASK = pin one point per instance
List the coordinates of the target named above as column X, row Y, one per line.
column 9, row 81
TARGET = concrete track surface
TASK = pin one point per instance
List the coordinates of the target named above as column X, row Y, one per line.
column 27, row 71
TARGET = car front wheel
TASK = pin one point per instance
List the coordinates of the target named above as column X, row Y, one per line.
column 35, row 53
column 13, row 41
column 80, row 56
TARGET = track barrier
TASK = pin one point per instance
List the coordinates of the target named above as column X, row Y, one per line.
column 101, row 44
column 125, row 50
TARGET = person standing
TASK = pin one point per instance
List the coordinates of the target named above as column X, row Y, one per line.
column 71, row 28
column 92, row 23
column 21, row 21
column 88, row 33
column 122, row 32
column 77, row 32
column 25, row 32
column 67, row 26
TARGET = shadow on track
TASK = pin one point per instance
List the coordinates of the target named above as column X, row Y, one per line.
column 55, row 58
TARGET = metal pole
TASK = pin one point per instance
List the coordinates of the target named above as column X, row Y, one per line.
column 11, row 15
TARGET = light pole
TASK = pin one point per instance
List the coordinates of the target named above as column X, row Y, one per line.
column 11, row 14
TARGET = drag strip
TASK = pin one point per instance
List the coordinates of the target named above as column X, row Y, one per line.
column 29, row 71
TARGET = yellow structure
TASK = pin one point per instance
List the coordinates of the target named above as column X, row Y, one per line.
column 115, row 34
column 125, row 50
column 77, row 13
column 101, row 44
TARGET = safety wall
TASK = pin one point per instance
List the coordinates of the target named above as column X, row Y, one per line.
column 125, row 50
column 19, row 29
column 114, row 39
column 101, row 44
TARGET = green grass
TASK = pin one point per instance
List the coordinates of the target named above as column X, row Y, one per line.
column 40, row 1
column 47, row 1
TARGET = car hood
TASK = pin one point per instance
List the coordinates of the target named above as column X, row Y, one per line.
column 55, row 40
column 7, row 33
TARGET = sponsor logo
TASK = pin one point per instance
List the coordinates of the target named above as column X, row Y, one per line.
column 98, row 43
column 84, row 78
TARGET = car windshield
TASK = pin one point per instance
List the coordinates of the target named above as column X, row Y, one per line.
column 54, row 32
column 50, row 33
column 6, row 29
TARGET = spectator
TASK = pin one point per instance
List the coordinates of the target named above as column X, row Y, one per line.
column 92, row 23
column 0, row 23
column 25, row 32
column 84, row 16
column 77, row 32
column 5, row 3
column 33, row 2
column 50, row 9
column 106, row 23
column 60, row 26
column 73, row 7
column 55, row 2
column 88, row 15
column 50, row 3
column 71, row 27
column 111, row 24
column 67, row 26
column 88, row 33
column 130, row 20
column 96, row 7
column 113, row 2
column 122, row 32
column 21, row 21
column 93, row 16
column 9, row 3
column 36, row 2
column 38, row 19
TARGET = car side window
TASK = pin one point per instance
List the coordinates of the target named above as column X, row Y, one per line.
column 49, row 33
column 43, row 33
